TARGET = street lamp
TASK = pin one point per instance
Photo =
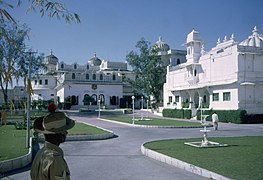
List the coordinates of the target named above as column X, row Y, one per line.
column 147, row 107
column 133, row 109
column 142, row 102
column 99, row 108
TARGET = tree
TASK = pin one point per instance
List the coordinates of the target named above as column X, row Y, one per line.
column 15, row 57
column 45, row 7
column 148, row 69
column 13, row 52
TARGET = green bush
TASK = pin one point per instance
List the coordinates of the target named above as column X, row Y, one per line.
column 233, row 116
column 177, row 113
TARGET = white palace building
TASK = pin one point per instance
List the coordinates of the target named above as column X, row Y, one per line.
column 102, row 80
column 227, row 77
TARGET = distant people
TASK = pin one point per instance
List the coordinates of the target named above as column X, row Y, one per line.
column 49, row 163
column 215, row 121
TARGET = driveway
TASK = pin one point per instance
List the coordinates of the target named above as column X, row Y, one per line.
column 120, row 158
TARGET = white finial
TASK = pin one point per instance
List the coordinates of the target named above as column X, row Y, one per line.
column 218, row 41
column 232, row 37
column 51, row 52
column 203, row 49
column 255, row 31
column 160, row 38
column 225, row 39
column 95, row 54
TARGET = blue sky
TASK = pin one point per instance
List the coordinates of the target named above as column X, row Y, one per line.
column 111, row 28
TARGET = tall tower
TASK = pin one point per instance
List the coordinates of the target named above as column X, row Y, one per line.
column 193, row 46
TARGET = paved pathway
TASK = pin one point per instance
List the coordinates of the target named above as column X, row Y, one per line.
column 120, row 158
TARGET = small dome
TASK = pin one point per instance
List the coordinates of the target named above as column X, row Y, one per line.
column 255, row 39
column 95, row 61
column 51, row 59
column 193, row 36
column 162, row 45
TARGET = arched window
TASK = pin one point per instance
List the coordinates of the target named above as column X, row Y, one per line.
column 102, row 99
column 62, row 66
column 73, row 100
column 94, row 97
column 101, row 77
column 94, row 76
column 87, row 76
column 178, row 61
column 87, row 99
column 195, row 72
column 87, row 66
column 75, row 66
column 73, row 76
column 113, row 77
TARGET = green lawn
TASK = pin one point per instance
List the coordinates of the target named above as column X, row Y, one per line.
column 154, row 121
column 242, row 159
column 84, row 129
column 13, row 142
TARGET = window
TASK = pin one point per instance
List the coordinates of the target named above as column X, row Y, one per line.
column 178, row 61
column 46, row 81
column 87, row 66
column 113, row 77
column 101, row 77
column 170, row 99
column 226, row 96
column 195, row 72
column 75, row 66
column 94, row 76
column 51, row 94
column 176, row 98
column 40, row 81
column 87, row 76
column 62, row 66
column 102, row 98
column 35, row 82
column 73, row 76
column 215, row 96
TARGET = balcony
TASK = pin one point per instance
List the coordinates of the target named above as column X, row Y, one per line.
column 192, row 80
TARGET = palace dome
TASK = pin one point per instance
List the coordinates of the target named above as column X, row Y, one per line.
column 162, row 45
column 51, row 59
column 255, row 40
column 95, row 61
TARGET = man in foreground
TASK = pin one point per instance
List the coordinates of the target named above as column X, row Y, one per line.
column 49, row 163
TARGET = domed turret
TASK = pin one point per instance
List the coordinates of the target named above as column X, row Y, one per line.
column 193, row 36
column 95, row 61
column 162, row 45
column 193, row 46
column 51, row 59
column 255, row 39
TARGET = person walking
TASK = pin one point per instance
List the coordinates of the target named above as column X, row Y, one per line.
column 215, row 121
column 49, row 162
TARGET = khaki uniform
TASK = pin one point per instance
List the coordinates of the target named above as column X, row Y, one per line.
column 49, row 164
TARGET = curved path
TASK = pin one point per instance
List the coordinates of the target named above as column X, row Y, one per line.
column 121, row 159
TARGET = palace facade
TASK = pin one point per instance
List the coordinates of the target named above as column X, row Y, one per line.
column 227, row 77
column 83, row 84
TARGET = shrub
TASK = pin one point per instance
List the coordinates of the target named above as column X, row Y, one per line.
column 233, row 116
column 177, row 113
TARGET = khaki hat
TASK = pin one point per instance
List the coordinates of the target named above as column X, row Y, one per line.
column 53, row 123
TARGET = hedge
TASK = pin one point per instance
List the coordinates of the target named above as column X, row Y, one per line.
column 234, row 116
column 177, row 113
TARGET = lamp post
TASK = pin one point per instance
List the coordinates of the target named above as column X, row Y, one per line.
column 99, row 108
column 133, row 109
column 142, row 102
column 28, row 102
column 147, row 107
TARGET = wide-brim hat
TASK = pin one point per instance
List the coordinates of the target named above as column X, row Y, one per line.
column 53, row 123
